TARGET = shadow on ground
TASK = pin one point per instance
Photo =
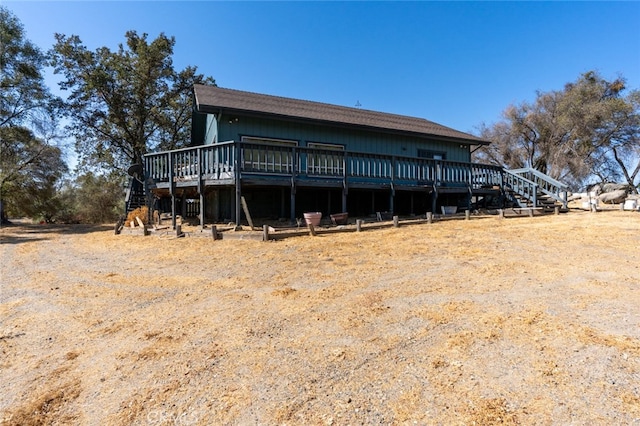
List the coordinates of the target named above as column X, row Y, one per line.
column 24, row 231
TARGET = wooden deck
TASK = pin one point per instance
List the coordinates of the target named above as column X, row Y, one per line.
column 243, row 166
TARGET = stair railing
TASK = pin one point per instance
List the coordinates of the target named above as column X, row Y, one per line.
column 546, row 184
column 133, row 191
column 127, row 196
column 526, row 188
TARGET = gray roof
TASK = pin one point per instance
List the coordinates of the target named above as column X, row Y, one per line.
column 212, row 99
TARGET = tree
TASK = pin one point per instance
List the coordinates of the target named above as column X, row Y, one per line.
column 29, row 162
column 570, row 134
column 23, row 91
column 99, row 197
column 618, row 157
column 91, row 198
column 29, row 172
column 125, row 103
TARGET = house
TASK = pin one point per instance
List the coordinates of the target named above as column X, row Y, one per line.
column 287, row 156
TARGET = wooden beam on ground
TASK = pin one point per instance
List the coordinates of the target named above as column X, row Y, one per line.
column 246, row 211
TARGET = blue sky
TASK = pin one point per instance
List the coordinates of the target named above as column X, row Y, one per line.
column 456, row 63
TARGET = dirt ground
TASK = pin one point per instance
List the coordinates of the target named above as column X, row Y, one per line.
column 532, row 321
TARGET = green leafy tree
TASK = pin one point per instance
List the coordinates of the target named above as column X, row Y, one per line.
column 91, row 198
column 30, row 164
column 125, row 103
column 99, row 197
column 588, row 128
column 29, row 173
column 23, row 92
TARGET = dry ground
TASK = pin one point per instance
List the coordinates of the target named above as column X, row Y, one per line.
column 488, row 321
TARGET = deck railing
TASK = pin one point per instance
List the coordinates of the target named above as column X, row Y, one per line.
column 218, row 162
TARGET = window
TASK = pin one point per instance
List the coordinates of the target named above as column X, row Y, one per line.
column 324, row 161
column 274, row 156
column 436, row 155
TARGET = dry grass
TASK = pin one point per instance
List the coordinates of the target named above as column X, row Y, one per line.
column 141, row 213
column 517, row 321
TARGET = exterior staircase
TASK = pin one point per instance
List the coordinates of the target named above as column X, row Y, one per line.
column 529, row 188
column 135, row 196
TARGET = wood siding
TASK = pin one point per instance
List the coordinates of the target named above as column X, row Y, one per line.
column 233, row 127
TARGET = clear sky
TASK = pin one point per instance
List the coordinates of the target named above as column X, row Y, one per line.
column 456, row 63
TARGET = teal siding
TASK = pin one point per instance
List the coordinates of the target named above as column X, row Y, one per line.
column 352, row 139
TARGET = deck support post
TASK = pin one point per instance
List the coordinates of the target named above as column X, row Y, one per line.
column 345, row 187
column 294, row 168
column 172, row 191
column 344, row 200
column 393, row 189
column 238, row 203
column 237, row 177
column 391, row 196
column 434, row 200
column 201, row 212
column 200, row 190
column 173, row 210
column 292, row 213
